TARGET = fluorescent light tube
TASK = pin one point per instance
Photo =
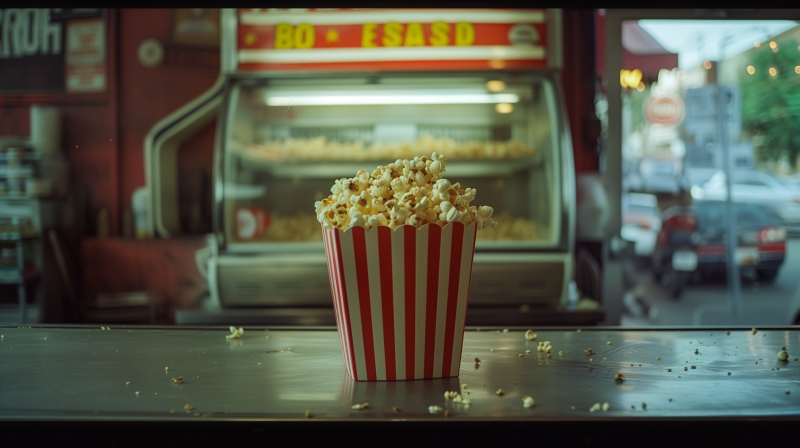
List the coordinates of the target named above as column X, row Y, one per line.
column 347, row 99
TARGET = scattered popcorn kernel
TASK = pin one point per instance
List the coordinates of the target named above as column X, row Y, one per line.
column 573, row 407
column 127, row 383
column 530, row 335
column 527, row 351
column 464, row 386
column 521, row 355
column 560, row 353
column 505, row 330
column 308, row 414
column 754, row 331
column 166, row 368
column 590, row 368
column 644, row 405
column 527, row 402
column 788, row 392
column 782, row 355
column 477, row 360
column 395, row 409
column 729, row 331
column 236, row 333
column 729, row 373
column 640, row 365
column 605, row 359
column 447, row 413
column 694, row 367
column 188, row 408
column 606, row 407
column 500, row 392
column 360, row 406
column 178, row 379
column 608, row 343
column 588, row 351
column 685, row 369
column 434, row 409
column 619, row 376
column 669, row 370
column 658, row 359
column 796, row 358
column 137, row 392
column 595, row 407
column 591, row 359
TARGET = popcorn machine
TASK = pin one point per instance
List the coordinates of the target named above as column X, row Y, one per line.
column 307, row 97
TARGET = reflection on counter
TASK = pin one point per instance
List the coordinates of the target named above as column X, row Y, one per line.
column 509, row 228
column 319, row 148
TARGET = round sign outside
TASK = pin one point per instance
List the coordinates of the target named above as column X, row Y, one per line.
column 666, row 110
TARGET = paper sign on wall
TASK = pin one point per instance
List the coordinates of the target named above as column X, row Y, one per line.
column 86, row 55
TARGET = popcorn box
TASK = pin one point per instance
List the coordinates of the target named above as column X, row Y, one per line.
column 400, row 298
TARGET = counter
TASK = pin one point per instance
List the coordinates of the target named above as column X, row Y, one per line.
column 91, row 374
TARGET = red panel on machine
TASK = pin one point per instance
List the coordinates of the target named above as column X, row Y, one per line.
column 398, row 39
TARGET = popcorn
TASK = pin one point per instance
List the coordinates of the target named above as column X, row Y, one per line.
column 782, row 355
column 527, row 402
column 607, row 406
column 530, row 335
column 434, row 409
column 404, row 192
column 235, row 333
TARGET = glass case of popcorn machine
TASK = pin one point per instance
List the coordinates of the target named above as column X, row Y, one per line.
column 314, row 96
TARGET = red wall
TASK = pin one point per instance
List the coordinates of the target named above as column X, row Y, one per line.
column 104, row 139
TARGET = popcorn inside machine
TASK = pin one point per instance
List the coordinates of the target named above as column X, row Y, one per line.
column 312, row 96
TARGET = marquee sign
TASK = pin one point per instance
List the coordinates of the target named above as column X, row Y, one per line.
column 391, row 39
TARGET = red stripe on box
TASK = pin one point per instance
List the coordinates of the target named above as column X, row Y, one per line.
column 409, row 255
column 343, row 298
column 452, row 296
column 434, row 250
column 469, row 284
column 362, row 279
column 387, row 299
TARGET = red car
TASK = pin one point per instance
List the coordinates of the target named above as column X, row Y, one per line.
column 692, row 239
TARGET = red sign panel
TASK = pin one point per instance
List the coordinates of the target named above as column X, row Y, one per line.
column 665, row 109
column 391, row 39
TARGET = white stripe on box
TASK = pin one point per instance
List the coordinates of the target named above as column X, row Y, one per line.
column 446, row 243
column 375, row 306
column 463, row 295
column 392, row 15
column 333, row 293
column 351, row 286
column 479, row 52
column 339, row 282
column 399, row 293
column 421, row 281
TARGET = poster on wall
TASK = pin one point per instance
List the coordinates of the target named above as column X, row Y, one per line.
column 44, row 50
column 196, row 27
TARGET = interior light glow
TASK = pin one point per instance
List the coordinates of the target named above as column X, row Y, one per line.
column 756, row 44
column 707, row 65
column 773, row 45
column 385, row 97
column 772, row 71
column 751, row 69
column 495, row 86
column 640, row 87
column 504, row 108
column 797, row 69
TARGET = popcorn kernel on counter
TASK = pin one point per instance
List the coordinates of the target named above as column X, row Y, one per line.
column 404, row 192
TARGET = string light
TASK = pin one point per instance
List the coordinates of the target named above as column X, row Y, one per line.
column 757, row 44
column 707, row 65
column 773, row 45
column 751, row 69
column 772, row 71
column 797, row 69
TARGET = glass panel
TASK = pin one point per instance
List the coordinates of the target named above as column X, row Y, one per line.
column 671, row 133
column 289, row 139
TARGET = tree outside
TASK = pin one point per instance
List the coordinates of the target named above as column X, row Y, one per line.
column 771, row 100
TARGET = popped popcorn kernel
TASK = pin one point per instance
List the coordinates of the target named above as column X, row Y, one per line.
column 782, row 355
column 500, row 392
column 595, row 407
column 236, row 333
column 527, row 402
column 359, row 406
column 753, row 331
column 606, row 407
column 530, row 335
column 434, row 409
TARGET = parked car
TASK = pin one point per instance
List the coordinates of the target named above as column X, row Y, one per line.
column 692, row 239
column 662, row 176
column 641, row 222
column 756, row 187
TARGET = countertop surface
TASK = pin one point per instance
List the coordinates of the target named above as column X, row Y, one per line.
column 85, row 373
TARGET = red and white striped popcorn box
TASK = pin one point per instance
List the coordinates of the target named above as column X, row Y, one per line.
column 400, row 298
